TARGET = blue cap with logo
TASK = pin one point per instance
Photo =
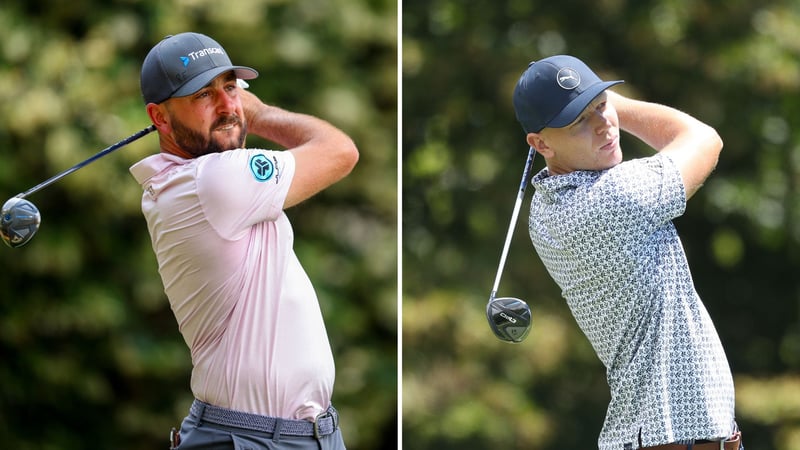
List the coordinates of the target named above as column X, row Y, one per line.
column 553, row 92
column 183, row 64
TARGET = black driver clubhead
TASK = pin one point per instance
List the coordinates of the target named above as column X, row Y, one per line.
column 509, row 318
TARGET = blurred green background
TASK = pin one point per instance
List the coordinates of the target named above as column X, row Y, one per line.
column 734, row 64
column 92, row 357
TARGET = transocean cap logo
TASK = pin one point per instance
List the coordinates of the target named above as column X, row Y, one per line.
column 194, row 56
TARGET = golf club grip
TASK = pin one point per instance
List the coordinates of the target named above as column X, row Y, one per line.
column 513, row 223
column 97, row 156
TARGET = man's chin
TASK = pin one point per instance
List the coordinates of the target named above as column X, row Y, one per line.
column 228, row 140
column 229, row 144
column 612, row 161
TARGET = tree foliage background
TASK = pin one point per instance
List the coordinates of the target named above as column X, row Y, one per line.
column 92, row 357
column 733, row 64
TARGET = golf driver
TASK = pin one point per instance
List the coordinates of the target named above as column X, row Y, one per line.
column 20, row 219
column 509, row 317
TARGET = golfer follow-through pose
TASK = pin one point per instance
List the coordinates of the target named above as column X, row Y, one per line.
column 263, row 369
column 603, row 229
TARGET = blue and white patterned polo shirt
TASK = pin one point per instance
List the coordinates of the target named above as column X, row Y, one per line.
column 608, row 241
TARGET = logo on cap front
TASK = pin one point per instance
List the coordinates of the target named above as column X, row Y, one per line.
column 193, row 56
column 568, row 78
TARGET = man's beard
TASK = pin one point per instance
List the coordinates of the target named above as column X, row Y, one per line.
column 198, row 144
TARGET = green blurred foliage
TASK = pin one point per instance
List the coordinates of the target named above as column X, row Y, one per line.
column 92, row 357
column 733, row 64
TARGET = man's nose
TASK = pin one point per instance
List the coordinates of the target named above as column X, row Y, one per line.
column 602, row 122
column 226, row 103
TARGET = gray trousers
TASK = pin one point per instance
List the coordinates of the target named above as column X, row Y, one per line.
column 209, row 436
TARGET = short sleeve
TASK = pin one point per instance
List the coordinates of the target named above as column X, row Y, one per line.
column 646, row 192
column 240, row 188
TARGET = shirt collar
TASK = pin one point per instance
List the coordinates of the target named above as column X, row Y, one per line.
column 153, row 164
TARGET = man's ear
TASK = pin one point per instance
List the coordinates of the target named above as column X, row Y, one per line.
column 159, row 117
column 538, row 142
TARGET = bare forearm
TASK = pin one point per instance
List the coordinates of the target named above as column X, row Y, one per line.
column 657, row 125
column 693, row 145
column 323, row 154
column 285, row 128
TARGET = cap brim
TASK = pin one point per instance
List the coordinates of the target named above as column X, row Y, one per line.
column 576, row 106
column 202, row 80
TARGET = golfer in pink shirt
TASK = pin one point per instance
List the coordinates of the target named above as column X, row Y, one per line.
column 263, row 369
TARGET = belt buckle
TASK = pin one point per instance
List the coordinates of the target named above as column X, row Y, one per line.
column 324, row 415
column 316, row 428
column 320, row 416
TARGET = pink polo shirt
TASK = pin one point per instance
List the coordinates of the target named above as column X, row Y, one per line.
column 243, row 302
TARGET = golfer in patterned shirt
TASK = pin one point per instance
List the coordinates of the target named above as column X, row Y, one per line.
column 603, row 229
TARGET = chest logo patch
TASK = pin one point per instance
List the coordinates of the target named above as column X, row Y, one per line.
column 262, row 168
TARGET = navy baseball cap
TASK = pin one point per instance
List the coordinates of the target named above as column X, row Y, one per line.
column 553, row 92
column 183, row 64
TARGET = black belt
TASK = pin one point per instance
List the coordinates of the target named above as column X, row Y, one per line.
column 324, row 424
